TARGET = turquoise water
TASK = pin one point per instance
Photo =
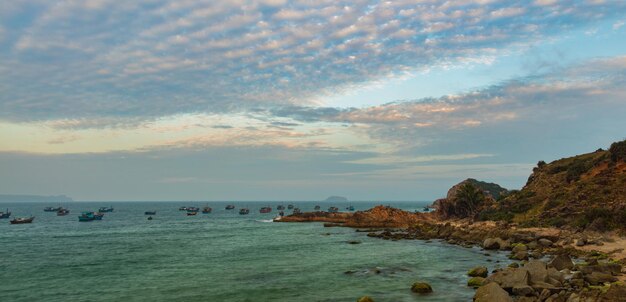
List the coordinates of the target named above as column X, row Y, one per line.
column 222, row 256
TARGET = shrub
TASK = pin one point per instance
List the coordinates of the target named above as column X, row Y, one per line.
column 495, row 215
column 576, row 169
column 618, row 151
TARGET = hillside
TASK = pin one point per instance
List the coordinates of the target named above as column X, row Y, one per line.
column 587, row 191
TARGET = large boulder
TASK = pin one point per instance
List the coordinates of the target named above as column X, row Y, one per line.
column 510, row 278
column 561, row 262
column 421, row 288
column 537, row 270
column 479, row 271
column 496, row 244
column 491, row 292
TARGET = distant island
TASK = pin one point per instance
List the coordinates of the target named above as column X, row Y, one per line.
column 34, row 198
column 336, row 199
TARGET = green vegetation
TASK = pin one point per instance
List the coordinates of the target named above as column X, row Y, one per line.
column 618, row 151
column 587, row 191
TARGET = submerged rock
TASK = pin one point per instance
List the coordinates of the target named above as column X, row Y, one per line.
column 491, row 292
column 479, row 271
column 365, row 299
column 421, row 288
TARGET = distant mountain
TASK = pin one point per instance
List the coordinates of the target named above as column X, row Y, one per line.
column 336, row 199
column 34, row 198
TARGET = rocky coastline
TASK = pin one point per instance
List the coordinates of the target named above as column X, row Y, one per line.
column 564, row 229
column 549, row 264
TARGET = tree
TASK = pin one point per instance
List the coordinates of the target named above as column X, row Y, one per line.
column 618, row 151
column 468, row 199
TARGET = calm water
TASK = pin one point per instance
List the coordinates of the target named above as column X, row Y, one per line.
column 221, row 256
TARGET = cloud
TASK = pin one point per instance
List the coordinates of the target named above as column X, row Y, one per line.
column 617, row 25
column 103, row 59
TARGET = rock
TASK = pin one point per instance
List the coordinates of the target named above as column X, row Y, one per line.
column 537, row 270
column 555, row 275
column 561, row 262
column 545, row 294
column 523, row 290
column 365, row 299
column 479, row 271
column 521, row 255
column 532, row 245
column 581, row 242
column 421, row 288
column 491, row 244
column 514, row 265
column 573, row 298
column 597, row 278
column 495, row 244
column 520, row 247
column 354, row 242
column 536, row 254
column 475, row 282
column 508, row 279
column 545, row 242
column 491, row 293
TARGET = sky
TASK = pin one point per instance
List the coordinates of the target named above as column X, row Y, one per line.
column 300, row 100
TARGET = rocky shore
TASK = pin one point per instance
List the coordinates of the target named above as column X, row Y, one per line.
column 549, row 264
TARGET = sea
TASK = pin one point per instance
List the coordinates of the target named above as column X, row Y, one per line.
column 221, row 256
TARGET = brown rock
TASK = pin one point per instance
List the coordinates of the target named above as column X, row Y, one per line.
column 537, row 270
column 479, row 271
column 597, row 278
column 523, row 290
column 510, row 278
column 491, row 293
column 561, row 262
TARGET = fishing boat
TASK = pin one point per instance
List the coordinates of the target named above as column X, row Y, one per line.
column 63, row 212
column 230, row 207
column 264, row 210
column 193, row 209
column 105, row 209
column 350, row 208
column 17, row 220
column 182, row 209
column 149, row 217
column 290, row 206
column 52, row 209
column 297, row 211
column 333, row 209
column 150, row 212
column 317, row 208
column 6, row 214
column 206, row 210
column 280, row 207
column 192, row 213
column 244, row 211
column 98, row 215
column 86, row 216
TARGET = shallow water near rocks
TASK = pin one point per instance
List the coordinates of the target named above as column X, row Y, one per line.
column 222, row 256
